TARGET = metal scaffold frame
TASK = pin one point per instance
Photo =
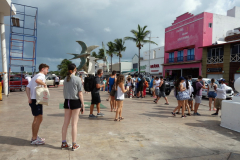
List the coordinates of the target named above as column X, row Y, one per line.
column 20, row 38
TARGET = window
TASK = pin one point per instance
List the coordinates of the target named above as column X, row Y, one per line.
column 171, row 57
column 154, row 54
column 190, row 54
column 215, row 55
column 235, row 53
column 210, row 25
column 135, row 65
column 180, row 56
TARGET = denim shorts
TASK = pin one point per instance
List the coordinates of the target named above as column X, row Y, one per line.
column 212, row 94
column 37, row 109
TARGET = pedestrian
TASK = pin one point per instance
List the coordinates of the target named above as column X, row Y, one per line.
column 37, row 109
column 212, row 94
column 221, row 95
column 129, row 85
column 198, row 96
column 156, row 87
column 188, row 87
column 120, row 90
column 140, row 82
column 145, row 86
column 162, row 87
column 107, row 83
column 111, row 80
column 151, row 85
column 179, row 94
column 56, row 81
column 136, row 85
column 83, row 84
column 73, row 96
column 133, row 86
column 104, row 82
column 190, row 101
column 1, row 74
column 96, row 100
column 28, row 78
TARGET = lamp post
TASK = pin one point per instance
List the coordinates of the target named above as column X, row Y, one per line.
column 149, row 51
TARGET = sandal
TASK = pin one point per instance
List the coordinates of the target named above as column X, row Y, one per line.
column 107, row 99
column 121, row 118
column 116, row 119
column 155, row 102
column 66, row 146
column 166, row 103
column 75, row 147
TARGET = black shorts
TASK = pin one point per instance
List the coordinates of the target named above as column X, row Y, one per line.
column 56, row 83
column 95, row 98
column 37, row 109
column 72, row 104
column 140, row 88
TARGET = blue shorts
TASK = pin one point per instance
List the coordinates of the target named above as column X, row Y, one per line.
column 36, row 109
column 212, row 94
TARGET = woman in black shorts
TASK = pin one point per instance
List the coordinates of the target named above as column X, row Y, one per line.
column 73, row 102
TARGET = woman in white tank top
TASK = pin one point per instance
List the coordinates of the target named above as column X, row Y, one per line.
column 120, row 97
column 212, row 94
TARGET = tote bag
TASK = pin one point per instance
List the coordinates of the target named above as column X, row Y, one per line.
column 42, row 95
column 183, row 96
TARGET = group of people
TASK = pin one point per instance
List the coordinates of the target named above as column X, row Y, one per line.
column 185, row 91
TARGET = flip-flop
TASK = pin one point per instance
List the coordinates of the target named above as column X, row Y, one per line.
column 121, row 118
column 116, row 119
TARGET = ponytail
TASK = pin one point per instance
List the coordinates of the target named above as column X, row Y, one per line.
column 71, row 68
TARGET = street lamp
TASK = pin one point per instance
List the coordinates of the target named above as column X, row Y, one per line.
column 149, row 51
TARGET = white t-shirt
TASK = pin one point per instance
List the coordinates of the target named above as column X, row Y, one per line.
column 29, row 79
column 32, row 85
column 56, row 79
column 157, row 83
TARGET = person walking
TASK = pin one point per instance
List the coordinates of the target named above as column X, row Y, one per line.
column 136, row 85
column 129, row 85
column 37, row 109
column 104, row 82
column 221, row 95
column 151, row 85
column 178, row 92
column 133, row 86
column 190, row 101
column 56, row 81
column 145, row 86
column 73, row 96
column 96, row 100
column 120, row 97
column 140, row 82
column 212, row 94
column 162, row 87
column 198, row 96
column 111, row 80
column 156, row 87
column 188, row 87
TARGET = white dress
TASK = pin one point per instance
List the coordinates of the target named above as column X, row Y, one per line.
column 120, row 94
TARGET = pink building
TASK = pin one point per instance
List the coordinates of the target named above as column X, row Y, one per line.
column 182, row 41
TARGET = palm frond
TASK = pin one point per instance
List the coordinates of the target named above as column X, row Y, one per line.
column 147, row 41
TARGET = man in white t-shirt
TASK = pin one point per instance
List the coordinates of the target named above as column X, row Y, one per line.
column 156, row 86
column 28, row 78
column 37, row 109
column 56, row 81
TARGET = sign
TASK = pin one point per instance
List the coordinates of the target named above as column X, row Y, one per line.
column 154, row 66
column 143, row 67
column 232, row 37
column 214, row 69
column 134, row 70
column 154, row 70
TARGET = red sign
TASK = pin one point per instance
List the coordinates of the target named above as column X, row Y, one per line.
column 154, row 66
column 154, row 70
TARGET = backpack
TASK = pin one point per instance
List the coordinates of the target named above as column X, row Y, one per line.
column 146, row 84
column 141, row 82
column 89, row 83
column 195, row 90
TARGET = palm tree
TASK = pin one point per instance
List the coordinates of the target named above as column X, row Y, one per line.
column 139, row 37
column 111, row 51
column 94, row 54
column 119, row 47
column 63, row 67
column 100, row 53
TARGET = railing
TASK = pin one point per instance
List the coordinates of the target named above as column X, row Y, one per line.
column 181, row 59
column 235, row 57
column 216, row 59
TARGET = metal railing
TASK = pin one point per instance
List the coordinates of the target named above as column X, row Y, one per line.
column 215, row 59
column 235, row 57
column 181, row 59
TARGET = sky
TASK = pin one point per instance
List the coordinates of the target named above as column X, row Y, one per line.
column 61, row 23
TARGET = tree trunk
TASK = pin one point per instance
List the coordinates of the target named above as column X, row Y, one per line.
column 111, row 63
column 119, row 62
column 139, row 61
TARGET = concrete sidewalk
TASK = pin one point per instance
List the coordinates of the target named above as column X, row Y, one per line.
column 149, row 131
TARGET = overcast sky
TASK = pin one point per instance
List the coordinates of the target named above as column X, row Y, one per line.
column 61, row 23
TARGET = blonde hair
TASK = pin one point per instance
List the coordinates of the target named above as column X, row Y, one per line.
column 120, row 79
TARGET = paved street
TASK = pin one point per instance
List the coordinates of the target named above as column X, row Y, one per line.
column 149, row 131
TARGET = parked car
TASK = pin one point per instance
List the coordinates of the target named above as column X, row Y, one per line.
column 229, row 91
column 172, row 82
column 50, row 81
column 15, row 83
column 167, row 88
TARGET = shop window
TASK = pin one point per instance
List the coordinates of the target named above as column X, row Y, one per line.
column 171, row 57
column 215, row 55
column 210, row 25
column 180, row 56
column 190, row 55
column 135, row 65
column 235, row 53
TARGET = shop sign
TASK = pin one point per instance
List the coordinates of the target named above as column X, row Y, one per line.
column 154, row 66
column 143, row 67
column 154, row 70
column 214, row 69
column 134, row 70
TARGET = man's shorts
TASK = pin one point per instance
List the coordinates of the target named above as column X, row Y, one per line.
column 140, row 88
column 218, row 103
column 162, row 94
column 156, row 92
column 198, row 99
column 95, row 98
column 56, row 83
column 37, row 109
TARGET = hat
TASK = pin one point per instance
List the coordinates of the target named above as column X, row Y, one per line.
column 182, row 78
column 223, row 80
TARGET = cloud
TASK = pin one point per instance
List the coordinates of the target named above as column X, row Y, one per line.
column 107, row 29
column 78, row 29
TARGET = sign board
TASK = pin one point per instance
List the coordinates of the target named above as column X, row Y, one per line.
column 154, row 66
column 143, row 67
column 134, row 70
column 214, row 69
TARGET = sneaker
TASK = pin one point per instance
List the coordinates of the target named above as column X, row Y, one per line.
column 75, row 147
column 184, row 116
column 188, row 114
column 215, row 114
column 37, row 142
column 177, row 113
column 198, row 114
column 100, row 114
column 66, row 146
column 92, row 116
column 39, row 138
column 173, row 114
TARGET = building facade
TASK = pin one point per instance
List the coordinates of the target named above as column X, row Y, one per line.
column 187, row 35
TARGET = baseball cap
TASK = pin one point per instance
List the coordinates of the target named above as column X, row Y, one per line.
column 182, row 78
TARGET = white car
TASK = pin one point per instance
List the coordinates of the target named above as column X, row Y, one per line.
column 229, row 91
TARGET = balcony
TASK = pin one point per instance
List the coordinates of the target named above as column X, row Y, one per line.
column 181, row 59
column 235, row 57
column 215, row 59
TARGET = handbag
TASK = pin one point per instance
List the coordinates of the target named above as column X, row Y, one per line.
column 42, row 95
column 183, row 95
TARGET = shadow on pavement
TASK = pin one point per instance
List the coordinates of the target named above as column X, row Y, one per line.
column 21, row 142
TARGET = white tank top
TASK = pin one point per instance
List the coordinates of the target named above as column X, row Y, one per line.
column 129, row 83
column 211, row 88
column 120, row 94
